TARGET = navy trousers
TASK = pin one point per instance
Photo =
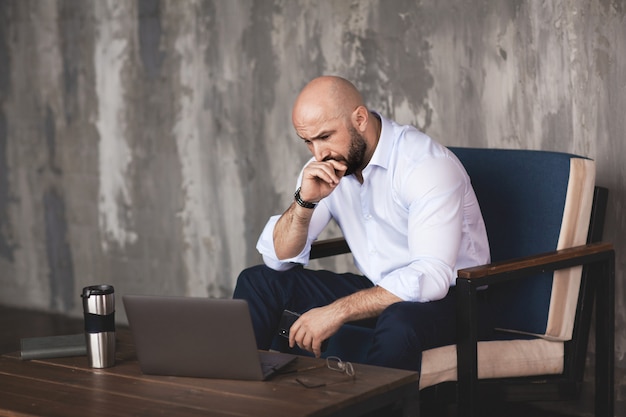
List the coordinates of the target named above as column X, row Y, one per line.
column 400, row 333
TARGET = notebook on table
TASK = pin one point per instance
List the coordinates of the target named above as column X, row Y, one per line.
column 198, row 337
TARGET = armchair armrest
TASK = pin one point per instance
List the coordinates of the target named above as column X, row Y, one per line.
column 329, row 247
column 550, row 261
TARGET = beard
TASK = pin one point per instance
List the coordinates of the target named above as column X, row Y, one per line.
column 356, row 152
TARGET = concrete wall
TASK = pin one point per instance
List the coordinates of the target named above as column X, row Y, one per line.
column 145, row 143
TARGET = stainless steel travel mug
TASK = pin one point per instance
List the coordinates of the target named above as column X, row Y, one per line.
column 99, row 311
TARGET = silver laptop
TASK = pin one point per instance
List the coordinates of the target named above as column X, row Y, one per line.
column 198, row 337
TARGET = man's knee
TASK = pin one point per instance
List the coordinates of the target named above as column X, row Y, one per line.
column 418, row 325
column 395, row 342
column 263, row 280
column 251, row 273
column 422, row 325
column 249, row 278
column 396, row 313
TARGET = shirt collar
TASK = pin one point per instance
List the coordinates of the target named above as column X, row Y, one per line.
column 385, row 144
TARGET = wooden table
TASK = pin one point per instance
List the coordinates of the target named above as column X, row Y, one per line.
column 68, row 387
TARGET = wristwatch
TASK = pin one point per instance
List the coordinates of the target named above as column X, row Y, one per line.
column 301, row 202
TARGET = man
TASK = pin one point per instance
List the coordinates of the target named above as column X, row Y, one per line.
column 408, row 212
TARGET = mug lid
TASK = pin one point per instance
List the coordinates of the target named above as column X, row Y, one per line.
column 102, row 289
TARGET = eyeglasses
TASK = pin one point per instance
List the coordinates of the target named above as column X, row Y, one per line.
column 333, row 363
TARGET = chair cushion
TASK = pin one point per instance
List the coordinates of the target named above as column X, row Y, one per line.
column 496, row 359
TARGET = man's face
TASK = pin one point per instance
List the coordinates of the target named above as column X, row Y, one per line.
column 333, row 140
column 356, row 152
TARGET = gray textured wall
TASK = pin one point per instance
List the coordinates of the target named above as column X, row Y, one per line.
column 145, row 143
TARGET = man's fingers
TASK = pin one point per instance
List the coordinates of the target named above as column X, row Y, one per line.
column 329, row 171
column 324, row 174
column 317, row 349
column 318, row 181
column 299, row 336
column 339, row 167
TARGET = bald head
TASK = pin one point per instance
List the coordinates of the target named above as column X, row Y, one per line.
column 329, row 115
column 324, row 98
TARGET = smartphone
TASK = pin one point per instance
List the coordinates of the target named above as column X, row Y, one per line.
column 288, row 318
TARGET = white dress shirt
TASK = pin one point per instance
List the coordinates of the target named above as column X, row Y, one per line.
column 411, row 225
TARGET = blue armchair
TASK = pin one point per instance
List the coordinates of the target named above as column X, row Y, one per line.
column 544, row 218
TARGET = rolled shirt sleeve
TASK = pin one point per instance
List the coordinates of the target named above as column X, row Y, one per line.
column 265, row 244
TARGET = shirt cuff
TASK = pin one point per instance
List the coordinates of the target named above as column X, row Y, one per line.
column 265, row 246
column 418, row 284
